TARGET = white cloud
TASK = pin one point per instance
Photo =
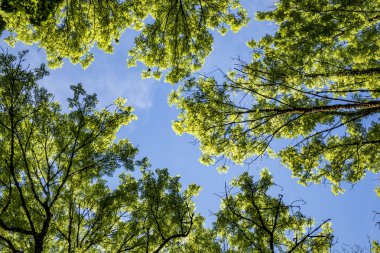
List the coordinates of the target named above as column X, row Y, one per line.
column 108, row 77
column 129, row 85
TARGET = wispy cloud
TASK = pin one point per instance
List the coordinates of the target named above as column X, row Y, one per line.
column 127, row 84
column 108, row 76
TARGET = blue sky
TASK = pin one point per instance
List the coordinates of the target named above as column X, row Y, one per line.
column 351, row 213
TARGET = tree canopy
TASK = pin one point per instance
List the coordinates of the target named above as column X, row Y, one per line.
column 253, row 221
column 54, row 196
column 315, row 82
column 309, row 96
column 175, row 35
column 36, row 11
column 53, row 192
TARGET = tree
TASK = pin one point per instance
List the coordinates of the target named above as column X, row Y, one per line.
column 178, row 38
column 53, row 192
column 315, row 82
column 253, row 221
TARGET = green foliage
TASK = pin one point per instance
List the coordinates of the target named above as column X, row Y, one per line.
column 178, row 38
column 53, row 195
column 253, row 221
column 375, row 247
column 37, row 11
column 200, row 241
column 73, row 28
column 315, row 81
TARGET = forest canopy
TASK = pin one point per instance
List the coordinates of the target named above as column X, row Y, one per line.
column 53, row 192
column 54, row 196
column 315, row 81
column 308, row 96
column 175, row 35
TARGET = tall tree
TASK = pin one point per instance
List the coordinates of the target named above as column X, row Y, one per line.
column 53, row 195
column 178, row 38
column 315, row 82
column 253, row 221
